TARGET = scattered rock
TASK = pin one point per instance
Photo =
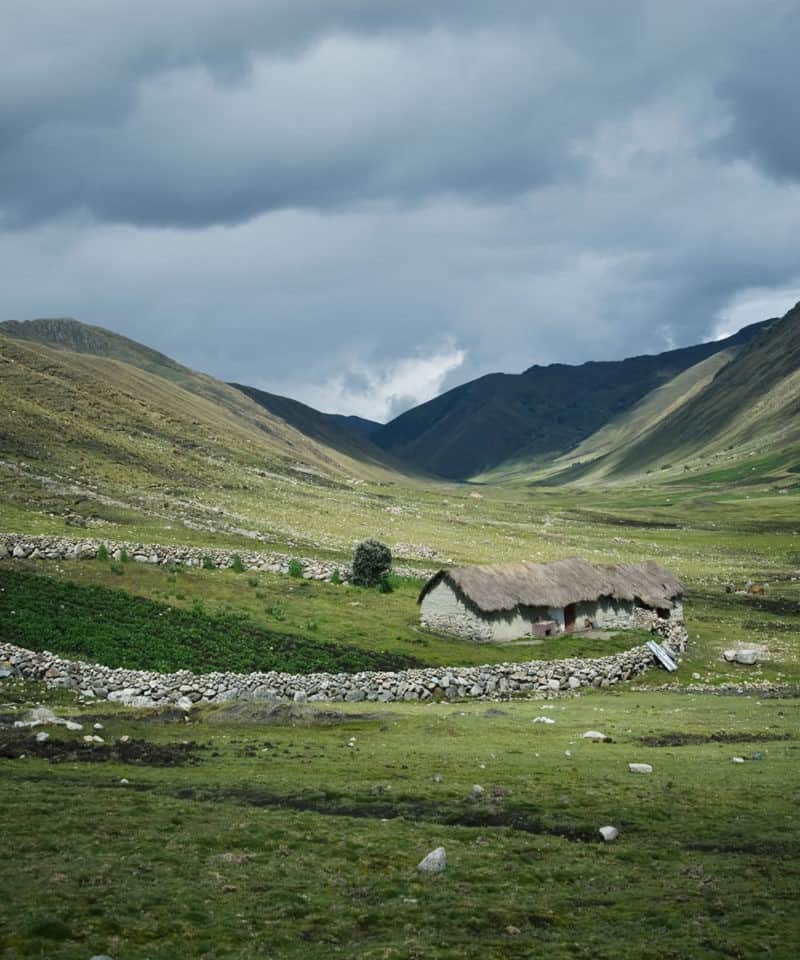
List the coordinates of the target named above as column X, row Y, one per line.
column 640, row 768
column 434, row 862
column 737, row 759
column 595, row 736
column 124, row 782
column 608, row 833
column 746, row 657
column 477, row 792
column 511, row 930
column 97, row 726
column 542, row 720
column 42, row 737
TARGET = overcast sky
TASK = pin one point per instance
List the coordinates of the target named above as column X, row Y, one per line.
column 361, row 203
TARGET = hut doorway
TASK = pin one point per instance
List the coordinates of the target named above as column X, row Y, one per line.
column 569, row 617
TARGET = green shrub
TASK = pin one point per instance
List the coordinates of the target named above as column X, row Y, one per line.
column 312, row 624
column 276, row 611
column 102, row 552
column 336, row 577
column 123, row 556
column 208, row 563
column 236, row 564
column 385, row 585
column 295, row 568
column 118, row 567
column 372, row 562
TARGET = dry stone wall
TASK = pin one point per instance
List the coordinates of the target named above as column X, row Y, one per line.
column 21, row 546
column 141, row 688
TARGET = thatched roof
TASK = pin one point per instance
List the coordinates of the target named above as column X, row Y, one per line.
column 496, row 587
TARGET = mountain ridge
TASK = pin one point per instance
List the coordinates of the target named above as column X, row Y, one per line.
column 544, row 411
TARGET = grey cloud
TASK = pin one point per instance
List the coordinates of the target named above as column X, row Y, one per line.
column 314, row 197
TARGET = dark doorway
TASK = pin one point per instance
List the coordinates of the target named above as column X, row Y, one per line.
column 569, row 617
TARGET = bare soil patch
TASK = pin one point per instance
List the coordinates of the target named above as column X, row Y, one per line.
column 133, row 751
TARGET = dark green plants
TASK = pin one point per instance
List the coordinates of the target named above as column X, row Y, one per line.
column 102, row 553
column 372, row 562
column 237, row 566
column 208, row 563
column 120, row 630
column 295, row 569
column 336, row 577
column 123, row 556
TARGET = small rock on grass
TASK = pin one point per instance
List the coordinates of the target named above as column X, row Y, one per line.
column 477, row 791
column 42, row 737
column 434, row 862
column 595, row 736
column 512, row 931
column 737, row 759
column 608, row 833
column 640, row 768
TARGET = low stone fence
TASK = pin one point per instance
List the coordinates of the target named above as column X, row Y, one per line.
column 146, row 689
column 21, row 546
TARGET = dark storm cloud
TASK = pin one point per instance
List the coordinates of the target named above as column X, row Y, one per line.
column 423, row 191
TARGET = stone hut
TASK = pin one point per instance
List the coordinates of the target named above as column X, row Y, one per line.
column 510, row 601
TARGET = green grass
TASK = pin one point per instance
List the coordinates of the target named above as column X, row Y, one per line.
column 325, row 616
column 283, row 841
column 116, row 629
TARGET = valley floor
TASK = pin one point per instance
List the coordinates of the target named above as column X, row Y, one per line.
column 292, row 832
column 295, row 832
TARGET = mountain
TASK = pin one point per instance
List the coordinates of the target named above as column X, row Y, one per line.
column 349, row 435
column 752, row 405
column 536, row 415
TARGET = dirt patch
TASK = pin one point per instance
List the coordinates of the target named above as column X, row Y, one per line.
column 134, row 751
column 277, row 713
column 494, row 813
column 694, row 739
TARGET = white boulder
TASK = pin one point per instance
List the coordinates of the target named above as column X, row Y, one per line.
column 434, row 862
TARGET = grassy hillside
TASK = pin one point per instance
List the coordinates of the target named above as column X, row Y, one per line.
column 132, row 449
column 752, row 404
column 540, row 413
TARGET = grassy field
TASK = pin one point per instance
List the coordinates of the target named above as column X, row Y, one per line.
column 297, row 834
column 256, row 833
column 145, row 617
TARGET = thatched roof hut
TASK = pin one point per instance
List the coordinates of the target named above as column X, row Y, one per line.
column 495, row 588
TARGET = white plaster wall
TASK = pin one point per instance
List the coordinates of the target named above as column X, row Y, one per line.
column 441, row 609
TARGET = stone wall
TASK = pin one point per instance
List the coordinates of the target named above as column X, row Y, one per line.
column 146, row 688
column 22, row 546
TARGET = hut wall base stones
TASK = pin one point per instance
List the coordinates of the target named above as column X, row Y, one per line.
column 140, row 688
column 506, row 602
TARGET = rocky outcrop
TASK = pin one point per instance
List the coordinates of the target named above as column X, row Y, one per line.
column 147, row 688
column 21, row 546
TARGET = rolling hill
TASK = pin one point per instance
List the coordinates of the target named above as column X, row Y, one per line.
column 536, row 415
column 145, row 443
